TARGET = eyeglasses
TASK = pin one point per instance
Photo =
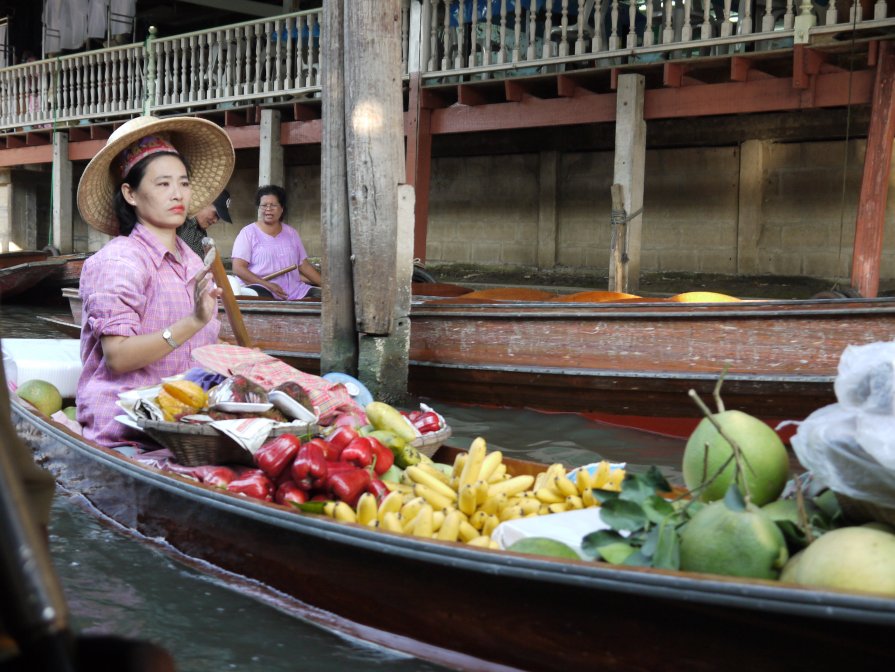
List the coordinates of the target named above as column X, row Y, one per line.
column 269, row 206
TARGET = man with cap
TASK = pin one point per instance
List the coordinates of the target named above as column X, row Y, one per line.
column 195, row 228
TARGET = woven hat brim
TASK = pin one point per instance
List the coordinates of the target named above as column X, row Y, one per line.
column 205, row 145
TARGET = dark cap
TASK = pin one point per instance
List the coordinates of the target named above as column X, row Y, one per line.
column 222, row 206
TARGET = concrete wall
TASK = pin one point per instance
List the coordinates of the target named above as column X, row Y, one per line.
column 761, row 208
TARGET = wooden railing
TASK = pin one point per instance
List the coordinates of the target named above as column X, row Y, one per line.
column 277, row 59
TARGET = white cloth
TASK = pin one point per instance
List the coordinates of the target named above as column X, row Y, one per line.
column 97, row 18
column 122, row 16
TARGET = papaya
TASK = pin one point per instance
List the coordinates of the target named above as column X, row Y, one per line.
column 172, row 408
column 187, row 392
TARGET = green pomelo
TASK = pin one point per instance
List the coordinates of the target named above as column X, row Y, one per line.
column 544, row 546
column 43, row 395
column 767, row 464
column 71, row 412
column 718, row 540
column 850, row 558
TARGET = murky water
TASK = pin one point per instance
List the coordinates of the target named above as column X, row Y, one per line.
column 120, row 585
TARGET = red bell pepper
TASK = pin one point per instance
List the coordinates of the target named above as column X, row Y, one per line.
column 215, row 475
column 359, row 452
column 348, row 486
column 384, row 458
column 428, row 422
column 332, row 468
column 275, row 455
column 331, row 451
column 253, row 483
column 342, row 437
column 379, row 489
column 309, row 466
column 289, row 493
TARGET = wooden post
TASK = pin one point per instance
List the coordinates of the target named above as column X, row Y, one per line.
column 375, row 167
column 62, row 191
column 753, row 160
column 6, row 214
column 270, row 151
column 630, row 164
column 871, row 221
column 338, row 342
column 618, row 257
column 547, row 210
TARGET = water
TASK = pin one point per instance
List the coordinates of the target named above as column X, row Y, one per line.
column 118, row 584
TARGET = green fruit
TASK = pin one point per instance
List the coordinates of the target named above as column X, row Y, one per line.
column 71, row 412
column 43, row 395
column 767, row 463
column 718, row 540
column 393, row 475
column 850, row 558
column 544, row 546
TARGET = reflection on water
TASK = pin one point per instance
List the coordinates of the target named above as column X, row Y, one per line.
column 116, row 584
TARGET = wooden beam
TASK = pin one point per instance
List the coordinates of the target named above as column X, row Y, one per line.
column 24, row 155
column 871, row 221
column 432, row 100
column 673, row 74
column 37, row 138
column 470, row 95
column 303, row 112
column 806, row 62
column 516, row 91
column 743, row 69
column 566, row 87
column 418, row 129
column 338, row 340
column 236, row 118
column 301, row 132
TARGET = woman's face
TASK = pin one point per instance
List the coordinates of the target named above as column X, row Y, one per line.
column 269, row 210
column 162, row 198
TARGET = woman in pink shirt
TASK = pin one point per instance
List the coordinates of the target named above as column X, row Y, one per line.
column 269, row 245
column 148, row 301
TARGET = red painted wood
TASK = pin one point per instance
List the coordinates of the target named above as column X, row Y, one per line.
column 875, row 183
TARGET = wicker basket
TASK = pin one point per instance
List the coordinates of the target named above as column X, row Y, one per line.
column 194, row 445
column 427, row 444
column 860, row 511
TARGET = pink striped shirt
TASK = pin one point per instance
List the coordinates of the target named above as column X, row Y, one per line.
column 132, row 286
column 266, row 254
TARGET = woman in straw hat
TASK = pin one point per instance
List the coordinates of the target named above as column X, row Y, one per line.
column 148, row 300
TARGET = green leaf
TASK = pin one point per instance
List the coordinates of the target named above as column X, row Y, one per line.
column 616, row 553
column 733, row 499
column 623, row 515
column 657, row 509
column 636, row 489
column 649, row 542
column 593, row 541
column 668, row 547
column 637, row 559
column 656, row 480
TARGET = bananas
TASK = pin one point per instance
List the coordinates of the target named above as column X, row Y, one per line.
column 467, row 505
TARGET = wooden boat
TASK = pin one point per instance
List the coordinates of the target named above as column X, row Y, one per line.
column 630, row 362
column 471, row 608
column 46, row 276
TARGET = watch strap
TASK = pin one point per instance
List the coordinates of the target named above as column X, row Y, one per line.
column 169, row 337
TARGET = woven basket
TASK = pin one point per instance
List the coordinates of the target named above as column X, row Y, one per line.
column 860, row 511
column 194, row 445
column 427, row 444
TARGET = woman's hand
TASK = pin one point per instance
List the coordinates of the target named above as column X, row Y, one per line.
column 274, row 289
column 205, row 297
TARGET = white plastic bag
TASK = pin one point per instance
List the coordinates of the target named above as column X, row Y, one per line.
column 866, row 378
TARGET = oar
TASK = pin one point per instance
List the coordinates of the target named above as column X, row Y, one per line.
column 277, row 274
column 231, row 307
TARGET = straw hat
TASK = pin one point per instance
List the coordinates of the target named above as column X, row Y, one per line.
column 204, row 144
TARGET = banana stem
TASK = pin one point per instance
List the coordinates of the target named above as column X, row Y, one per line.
column 739, row 458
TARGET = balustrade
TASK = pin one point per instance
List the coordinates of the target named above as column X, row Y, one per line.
column 277, row 59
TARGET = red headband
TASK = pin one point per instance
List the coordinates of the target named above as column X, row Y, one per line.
column 145, row 146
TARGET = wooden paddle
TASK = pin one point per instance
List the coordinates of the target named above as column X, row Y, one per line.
column 231, row 307
column 277, row 274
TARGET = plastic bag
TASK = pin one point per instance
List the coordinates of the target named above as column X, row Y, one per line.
column 850, row 446
column 238, row 389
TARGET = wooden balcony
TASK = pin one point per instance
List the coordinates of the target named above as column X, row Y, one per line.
column 469, row 51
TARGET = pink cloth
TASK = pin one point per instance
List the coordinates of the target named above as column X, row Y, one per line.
column 132, row 286
column 268, row 254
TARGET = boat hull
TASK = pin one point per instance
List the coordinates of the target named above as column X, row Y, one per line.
column 470, row 608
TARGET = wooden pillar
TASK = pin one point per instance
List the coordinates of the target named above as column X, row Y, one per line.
column 753, row 159
column 419, row 163
column 270, row 151
column 375, row 167
column 547, row 210
column 630, row 164
column 871, row 222
column 338, row 342
column 62, row 194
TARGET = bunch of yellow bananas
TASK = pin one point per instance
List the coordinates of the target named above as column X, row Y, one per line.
column 477, row 496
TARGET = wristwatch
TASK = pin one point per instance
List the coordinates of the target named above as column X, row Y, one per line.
column 169, row 337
